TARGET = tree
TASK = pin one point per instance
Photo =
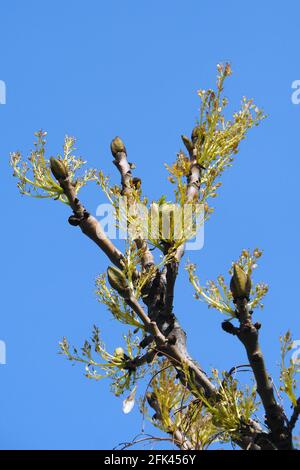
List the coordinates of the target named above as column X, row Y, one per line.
column 193, row 408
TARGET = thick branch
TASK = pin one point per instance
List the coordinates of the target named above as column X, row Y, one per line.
column 179, row 358
column 192, row 192
column 174, row 352
column 171, row 275
column 275, row 417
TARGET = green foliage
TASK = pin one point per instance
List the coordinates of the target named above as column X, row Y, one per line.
column 288, row 372
column 234, row 407
column 35, row 176
column 169, row 394
column 215, row 139
column 176, row 408
column 200, row 420
column 113, row 365
column 217, row 294
column 115, row 303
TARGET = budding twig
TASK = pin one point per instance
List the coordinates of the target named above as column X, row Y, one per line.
column 88, row 224
column 193, row 180
column 118, row 150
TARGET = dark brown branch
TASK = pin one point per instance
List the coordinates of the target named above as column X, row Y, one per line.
column 172, row 271
column 276, row 420
column 174, row 351
column 179, row 358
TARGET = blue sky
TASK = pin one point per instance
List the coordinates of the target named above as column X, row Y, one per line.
column 96, row 69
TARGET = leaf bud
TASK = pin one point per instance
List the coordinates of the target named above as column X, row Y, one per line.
column 240, row 284
column 117, row 145
column 118, row 281
column 58, row 169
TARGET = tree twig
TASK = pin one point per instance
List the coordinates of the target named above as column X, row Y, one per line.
column 120, row 161
column 89, row 225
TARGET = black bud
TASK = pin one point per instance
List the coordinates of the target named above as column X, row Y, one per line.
column 74, row 220
column 228, row 327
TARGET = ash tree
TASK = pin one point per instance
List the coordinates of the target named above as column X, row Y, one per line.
column 193, row 407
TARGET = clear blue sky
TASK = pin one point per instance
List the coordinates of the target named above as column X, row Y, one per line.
column 96, row 69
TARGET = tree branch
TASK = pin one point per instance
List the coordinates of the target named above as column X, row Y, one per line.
column 247, row 333
column 119, row 152
column 90, row 226
column 180, row 359
column 173, row 344
column 193, row 182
